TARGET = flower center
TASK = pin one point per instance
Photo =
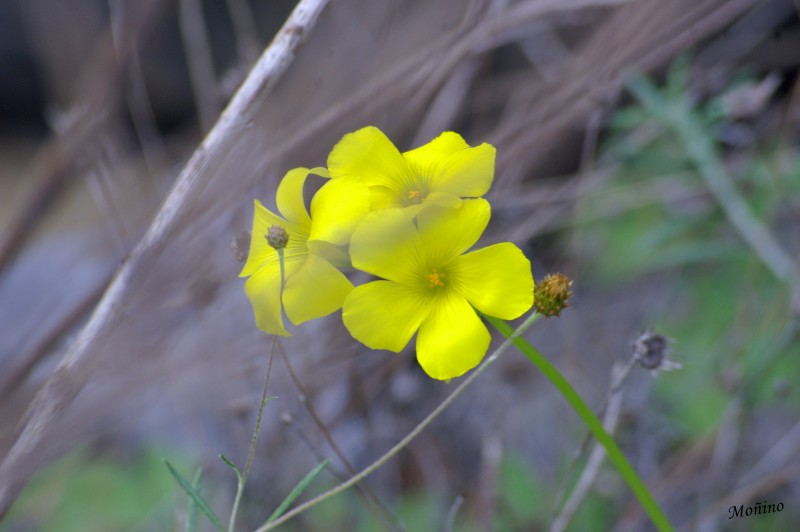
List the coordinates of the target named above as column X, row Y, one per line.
column 415, row 196
column 435, row 278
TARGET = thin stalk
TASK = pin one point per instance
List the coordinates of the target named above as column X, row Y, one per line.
column 411, row 435
column 283, row 272
column 389, row 519
column 242, row 477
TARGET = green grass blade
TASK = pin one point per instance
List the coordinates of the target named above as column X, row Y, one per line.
column 297, row 491
column 191, row 511
column 198, row 500
column 595, row 426
column 647, row 93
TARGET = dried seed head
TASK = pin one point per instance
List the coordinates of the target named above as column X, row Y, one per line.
column 277, row 237
column 551, row 294
column 651, row 350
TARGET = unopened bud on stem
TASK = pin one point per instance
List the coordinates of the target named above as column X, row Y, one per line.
column 277, row 237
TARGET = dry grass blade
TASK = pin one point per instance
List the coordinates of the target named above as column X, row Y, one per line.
column 67, row 381
column 646, row 34
column 51, row 167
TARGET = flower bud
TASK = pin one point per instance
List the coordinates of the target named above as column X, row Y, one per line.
column 277, row 237
column 551, row 294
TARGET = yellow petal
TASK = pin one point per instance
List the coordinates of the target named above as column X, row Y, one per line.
column 370, row 157
column 383, row 315
column 467, row 173
column 427, row 159
column 443, row 199
column 496, row 280
column 338, row 256
column 384, row 198
column 336, row 209
column 260, row 252
column 263, row 291
column 314, row 290
column 446, row 233
column 290, row 197
column 449, row 164
column 320, row 171
column 434, row 199
column 386, row 244
column 452, row 339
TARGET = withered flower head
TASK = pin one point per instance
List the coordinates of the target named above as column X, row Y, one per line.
column 650, row 350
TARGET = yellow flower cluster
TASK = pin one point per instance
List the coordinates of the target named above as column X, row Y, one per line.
column 407, row 218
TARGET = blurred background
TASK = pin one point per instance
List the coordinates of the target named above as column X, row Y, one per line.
column 103, row 102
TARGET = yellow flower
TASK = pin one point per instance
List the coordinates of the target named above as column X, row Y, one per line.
column 429, row 284
column 313, row 286
column 439, row 172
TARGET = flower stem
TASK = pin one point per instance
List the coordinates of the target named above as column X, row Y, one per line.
column 280, row 263
column 242, row 477
column 411, row 435
column 587, row 416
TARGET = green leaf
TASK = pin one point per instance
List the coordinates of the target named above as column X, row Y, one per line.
column 646, row 92
column 297, row 491
column 678, row 78
column 198, row 500
column 233, row 466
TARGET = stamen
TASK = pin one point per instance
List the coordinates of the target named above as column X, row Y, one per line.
column 435, row 278
column 415, row 196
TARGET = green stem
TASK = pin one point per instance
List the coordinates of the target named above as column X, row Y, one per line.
column 236, row 501
column 579, row 405
column 280, row 263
